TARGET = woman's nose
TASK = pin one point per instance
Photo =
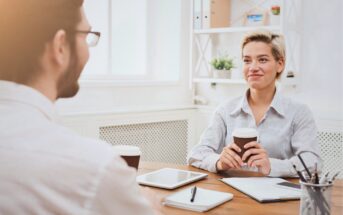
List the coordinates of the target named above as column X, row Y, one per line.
column 253, row 66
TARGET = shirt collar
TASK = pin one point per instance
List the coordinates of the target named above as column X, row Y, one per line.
column 243, row 105
column 278, row 103
column 19, row 93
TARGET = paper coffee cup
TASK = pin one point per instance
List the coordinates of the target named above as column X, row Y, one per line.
column 131, row 154
column 242, row 136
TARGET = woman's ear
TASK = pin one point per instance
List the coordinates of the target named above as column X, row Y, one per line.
column 281, row 65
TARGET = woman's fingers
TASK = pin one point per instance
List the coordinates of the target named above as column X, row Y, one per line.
column 263, row 166
column 234, row 155
column 259, row 158
column 253, row 151
column 235, row 147
column 252, row 144
column 255, row 158
column 228, row 162
column 229, row 157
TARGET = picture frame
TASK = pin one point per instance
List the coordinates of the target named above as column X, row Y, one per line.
column 255, row 18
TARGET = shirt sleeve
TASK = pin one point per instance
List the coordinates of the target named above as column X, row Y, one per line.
column 118, row 192
column 206, row 154
column 304, row 141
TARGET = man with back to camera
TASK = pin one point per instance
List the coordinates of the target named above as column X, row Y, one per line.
column 45, row 168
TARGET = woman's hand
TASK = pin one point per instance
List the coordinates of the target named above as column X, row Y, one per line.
column 229, row 158
column 259, row 157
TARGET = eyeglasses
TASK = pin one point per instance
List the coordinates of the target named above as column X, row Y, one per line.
column 92, row 37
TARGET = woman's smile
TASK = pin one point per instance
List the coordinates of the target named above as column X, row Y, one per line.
column 254, row 76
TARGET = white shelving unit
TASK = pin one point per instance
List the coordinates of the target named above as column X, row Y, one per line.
column 285, row 83
column 202, row 42
column 234, row 29
column 219, row 81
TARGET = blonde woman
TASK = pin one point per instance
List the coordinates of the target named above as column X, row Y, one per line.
column 286, row 128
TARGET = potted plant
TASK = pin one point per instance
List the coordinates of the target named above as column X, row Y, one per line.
column 222, row 67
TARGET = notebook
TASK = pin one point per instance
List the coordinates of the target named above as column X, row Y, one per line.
column 263, row 189
column 204, row 199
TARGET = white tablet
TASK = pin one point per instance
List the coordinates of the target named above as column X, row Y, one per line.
column 169, row 178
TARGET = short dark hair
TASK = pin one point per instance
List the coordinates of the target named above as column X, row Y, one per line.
column 25, row 27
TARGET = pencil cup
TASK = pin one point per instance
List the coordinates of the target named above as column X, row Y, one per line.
column 315, row 199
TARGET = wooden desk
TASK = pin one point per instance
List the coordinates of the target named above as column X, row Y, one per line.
column 240, row 204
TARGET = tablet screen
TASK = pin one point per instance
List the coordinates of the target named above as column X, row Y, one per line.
column 169, row 178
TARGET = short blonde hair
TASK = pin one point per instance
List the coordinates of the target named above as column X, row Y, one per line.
column 276, row 42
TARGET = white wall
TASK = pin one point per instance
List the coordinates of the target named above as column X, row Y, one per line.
column 107, row 98
column 322, row 58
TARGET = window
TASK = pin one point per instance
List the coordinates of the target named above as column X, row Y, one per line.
column 141, row 40
column 129, row 38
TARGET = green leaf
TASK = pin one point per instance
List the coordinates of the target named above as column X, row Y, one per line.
column 221, row 63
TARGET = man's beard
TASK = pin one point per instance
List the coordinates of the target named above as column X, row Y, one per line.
column 68, row 85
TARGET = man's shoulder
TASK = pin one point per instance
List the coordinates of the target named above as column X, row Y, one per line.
column 67, row 143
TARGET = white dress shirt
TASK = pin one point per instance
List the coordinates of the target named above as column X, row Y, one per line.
column 47, row 169
column 287, row 129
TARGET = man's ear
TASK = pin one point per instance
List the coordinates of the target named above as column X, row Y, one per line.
column 59, row 47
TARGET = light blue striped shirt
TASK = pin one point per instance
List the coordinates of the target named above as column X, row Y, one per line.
column 287, row 129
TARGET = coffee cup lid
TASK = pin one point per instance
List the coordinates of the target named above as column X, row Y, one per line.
column 126, row 150
column 245, row 132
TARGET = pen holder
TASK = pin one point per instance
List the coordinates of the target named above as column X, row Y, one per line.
column 315, row 199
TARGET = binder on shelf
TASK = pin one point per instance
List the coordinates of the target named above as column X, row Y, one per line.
column 197, row 14
column 215, row 13
column 206, row 13
column 204, row 199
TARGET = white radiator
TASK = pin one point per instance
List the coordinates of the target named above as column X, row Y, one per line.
column 163, row 135
column 159, row 141
column 166, row 136
column 331, row 147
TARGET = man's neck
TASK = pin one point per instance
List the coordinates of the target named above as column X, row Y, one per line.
column 46, row 87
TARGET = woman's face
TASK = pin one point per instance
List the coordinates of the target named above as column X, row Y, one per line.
column 259, row 66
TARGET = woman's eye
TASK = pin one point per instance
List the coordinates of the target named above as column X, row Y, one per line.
column 246, row 61
column 263, row 60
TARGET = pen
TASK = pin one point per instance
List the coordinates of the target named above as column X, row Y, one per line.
column 333, row 177
column 323, row 179
column 299, row 174
column 194, row 191
column 316, row 179
column 303, row 163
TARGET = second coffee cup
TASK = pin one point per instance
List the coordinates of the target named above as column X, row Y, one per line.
column 242, row 136
column 131, row 154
